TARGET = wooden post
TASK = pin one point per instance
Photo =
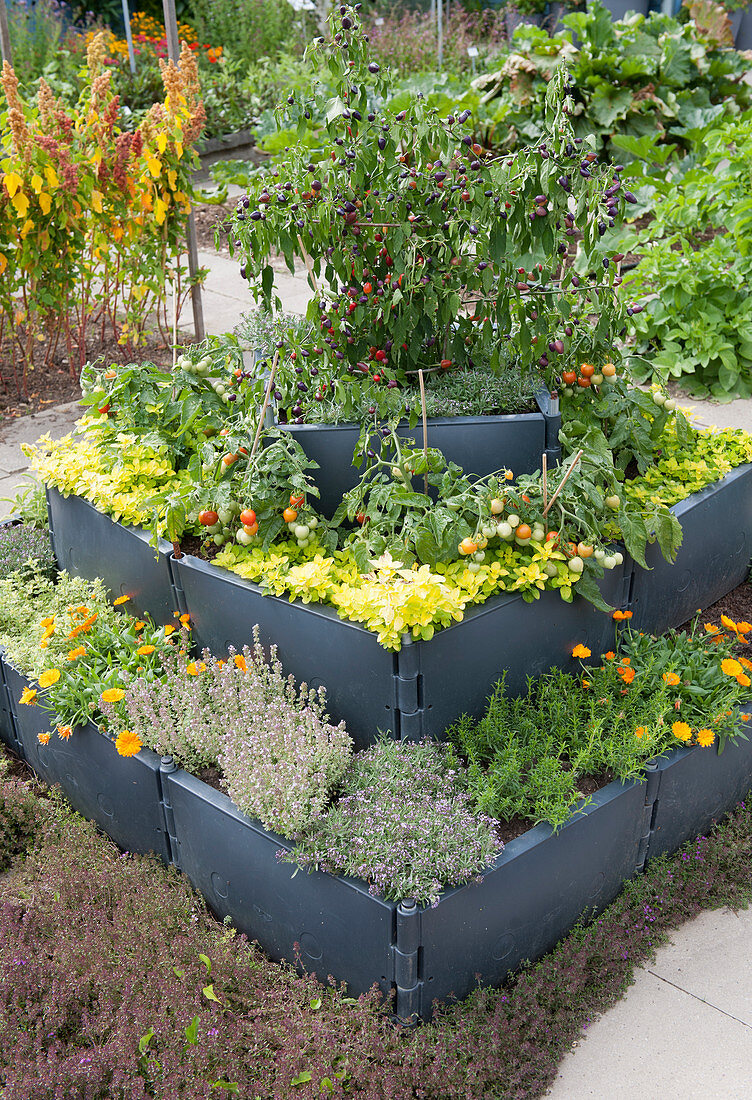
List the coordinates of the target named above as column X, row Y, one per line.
column 425, row 428
column 5, row 34
column 129, row 36
column 173, row 49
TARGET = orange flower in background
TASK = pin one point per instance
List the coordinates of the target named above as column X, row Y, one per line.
column 49, row 621
column 745, row 717
column 194, row 667
column 43, row 738
column 120, row 600
column 64, row 732
column 626, row 661
column 170, row 629
column 74, row 654
column 28, row 696
column 144, row 649
column 621, row 616
column 113, row 695
column 743, row 679
column 744, row 628
column 585, row 683
column 681, row 731
column 711, row 628
column 128, row 743
column 139, row 626
column 627, row 674
column 185, row 619
column 731, row 667
column 671, row 679
column 610, row 655
column 705, row 738
column 641, row 731
column 729, row 623
column 744, row 662
column 580, row 650
column 240, row 662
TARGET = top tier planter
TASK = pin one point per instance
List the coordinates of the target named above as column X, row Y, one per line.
column 479, row 444
column 89, row 544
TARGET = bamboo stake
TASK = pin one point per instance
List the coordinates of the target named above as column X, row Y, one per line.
column 264, row 407
column 425, row 428
column 565, row 479
column 174, row 324
column 544, row 469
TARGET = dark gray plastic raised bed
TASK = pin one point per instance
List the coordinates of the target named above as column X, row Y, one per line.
column 7, row 725
column 89, row 544
column 122, row 795
column 528, row 899
column 414, row 693
column 479, row 444
column 697, row 787
column 707, row 567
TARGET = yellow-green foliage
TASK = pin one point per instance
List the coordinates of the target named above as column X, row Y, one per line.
column 117, row 480
column 392, row 600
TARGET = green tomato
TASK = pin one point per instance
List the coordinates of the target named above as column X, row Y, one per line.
column 474, row 566
column 659, row 398
column 479, row 555
column 619, row 557
column 613, row 502
column 504, row 530
column 313, row 523
column 219, row 540
column 597, row 379
column 243, row 537
column 397, row 474
column 575, row 564
column 513, row 520
column 224, row 515
column 539, row 533
column 550, row 569
column 302, row 531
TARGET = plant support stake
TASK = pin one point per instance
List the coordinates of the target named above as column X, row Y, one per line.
column 264, row 407
column 173, row 50
column 425, row 428
column 565, row 479
column 129, row 36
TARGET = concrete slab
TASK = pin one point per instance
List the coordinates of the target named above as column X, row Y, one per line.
column 659, row 1043
column 711, row 958
column 711, row 414
column 226, row 296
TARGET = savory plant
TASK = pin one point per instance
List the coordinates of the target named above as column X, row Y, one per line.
column 23, row 547
column 403, row 823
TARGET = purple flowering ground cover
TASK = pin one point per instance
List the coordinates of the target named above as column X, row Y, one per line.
column 116, row 984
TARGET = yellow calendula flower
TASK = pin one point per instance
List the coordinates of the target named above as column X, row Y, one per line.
column 120, row 600
column 49, row 677
column 194, row 667
column 138, row 626
column 28, row 696
column 144, row 649
column 128, row 743
column 581, row 650
column 74, row 654
column 681, row 731
column 64, row 732
column 730, row 666
column 170, row 629
column 113, row 695
column 240, row 662
column 743, row 679
column 705, row 738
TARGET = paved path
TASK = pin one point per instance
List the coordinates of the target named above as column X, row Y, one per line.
column 684, row 1030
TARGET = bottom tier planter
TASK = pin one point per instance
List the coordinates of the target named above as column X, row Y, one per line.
column 7, row 725
column 697, row 787
column 527, row 900
column 123, row 796
column 419, row 691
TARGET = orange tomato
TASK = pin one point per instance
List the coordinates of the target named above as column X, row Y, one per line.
column 289, row 515
column 608, row 370
column 227, row 460
column 248, row 517
column 587, row 370
column 524, row 531
column 467, row 546
column 583, row 382
column 584, row 550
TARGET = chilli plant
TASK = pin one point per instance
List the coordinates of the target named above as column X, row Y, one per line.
column 422, row 247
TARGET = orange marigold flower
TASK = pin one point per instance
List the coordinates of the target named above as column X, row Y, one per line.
column 113, row 695
column 240, row 662
column 44, row 643
column 144, row 649
column 729, row 623
column 705, row 738
column 730, row 666
column 194, row 667
column 610, row 655
column 138, row 626
column 743, row 679
column 128, row 743
column 170, row 629
column 627, row 674
column 48, row 622
column 641, row 731
column 73, row 654
column 49, row 677
column 681, row 731
column 585, row 683
column 744, row 662
column 43, row 738
column 28, row 696
column 64, row 732
column 185, row 619
column 580, row 650
column 745, row 717
column 744, row 628
column 620, row 616
column 120, row 600
column 711, row 628
column 671, row 679
column 626, row 661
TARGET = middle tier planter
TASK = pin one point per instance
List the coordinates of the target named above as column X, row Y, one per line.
column 423, row 688
column 123, row 795
column 87, row 543
column 479, row 444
